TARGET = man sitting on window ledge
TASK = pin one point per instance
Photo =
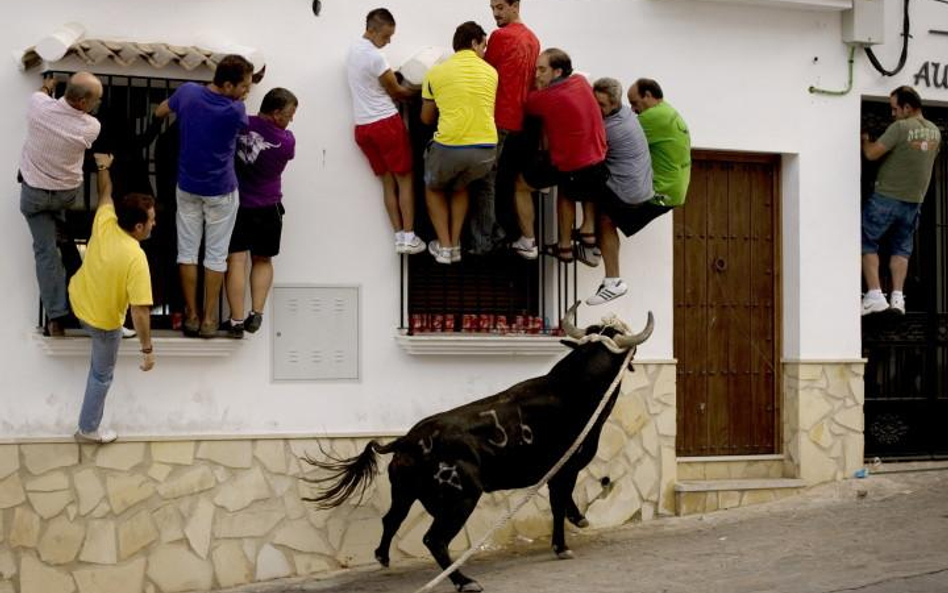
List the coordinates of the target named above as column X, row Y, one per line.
column 113, row 276
column 459, row 93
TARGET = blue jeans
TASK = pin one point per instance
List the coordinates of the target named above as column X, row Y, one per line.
column 42, row 208
column 105, row 347
column 893, row 219
column 486, row 234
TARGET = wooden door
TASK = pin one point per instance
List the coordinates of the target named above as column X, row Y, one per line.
column 726, row 306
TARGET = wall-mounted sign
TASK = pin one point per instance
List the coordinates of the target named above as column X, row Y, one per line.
column 932, row 74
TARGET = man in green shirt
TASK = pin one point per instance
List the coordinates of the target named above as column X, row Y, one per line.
column 669, row 142
column 909, row 147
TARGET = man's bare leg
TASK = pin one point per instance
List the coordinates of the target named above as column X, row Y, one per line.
column 898, row 266
column 390, row 196
column 189, row 280
column 609, row 245
column 406, row 202
column 870, row 270
column 236, row 284
column 438, row 211
column 460, row 201
column 523, row 201
column 588, row 227
column 212, row 292
column 261, row 279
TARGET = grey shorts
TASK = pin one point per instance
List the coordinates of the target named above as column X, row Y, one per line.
column 448, row 167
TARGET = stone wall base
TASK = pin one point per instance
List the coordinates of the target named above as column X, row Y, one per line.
column 163, row 517
column 823, row 420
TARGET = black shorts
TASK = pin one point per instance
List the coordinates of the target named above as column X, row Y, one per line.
column 583, row 185
column 516, row 150
column 258, row 230
column 630, row 218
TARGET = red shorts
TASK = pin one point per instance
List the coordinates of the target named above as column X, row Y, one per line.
column 385, row 143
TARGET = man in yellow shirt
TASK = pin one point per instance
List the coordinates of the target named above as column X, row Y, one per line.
column 114, row 275
column 459, row 93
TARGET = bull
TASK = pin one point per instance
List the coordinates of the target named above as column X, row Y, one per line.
column 505, row 441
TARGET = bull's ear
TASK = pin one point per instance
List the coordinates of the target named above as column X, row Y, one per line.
column 569, row 344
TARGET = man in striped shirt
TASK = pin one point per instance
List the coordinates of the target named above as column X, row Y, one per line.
column 58, row 132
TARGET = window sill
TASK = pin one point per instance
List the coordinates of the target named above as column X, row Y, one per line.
column 480, row 345
column 816, row 5
column 166, row 343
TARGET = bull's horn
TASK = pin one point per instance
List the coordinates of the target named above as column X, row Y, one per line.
column 567, row 325
column 625, row 342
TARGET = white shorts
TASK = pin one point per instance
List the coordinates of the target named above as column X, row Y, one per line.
column 212, row 216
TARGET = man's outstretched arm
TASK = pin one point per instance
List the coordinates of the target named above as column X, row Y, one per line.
column 103, row 179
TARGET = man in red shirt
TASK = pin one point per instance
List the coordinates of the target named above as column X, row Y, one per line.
column 512, row 50
column 572, row 122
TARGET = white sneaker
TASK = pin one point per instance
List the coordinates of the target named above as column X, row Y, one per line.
column 128, row 333
column 455, row 254
column 101, row 436
column 897, row 304
column 525, row 248
column 874, row 305
column 416, row 245
column 441, row 254
column 608, row 292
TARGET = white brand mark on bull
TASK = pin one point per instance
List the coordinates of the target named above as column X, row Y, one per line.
column 427, row 443
column 451, row 471
column 526, row 433
column 503, row 433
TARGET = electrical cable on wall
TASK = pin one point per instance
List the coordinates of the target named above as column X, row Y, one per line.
column 849, row 85
column 905, row 40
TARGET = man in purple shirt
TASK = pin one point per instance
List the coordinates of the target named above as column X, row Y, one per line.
column 209, row 117
column 262, row 153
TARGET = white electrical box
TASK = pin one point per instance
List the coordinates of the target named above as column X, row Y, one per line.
column 315, row 333
column 864, row 23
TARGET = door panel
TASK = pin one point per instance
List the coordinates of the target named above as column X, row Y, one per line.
column 725, row 314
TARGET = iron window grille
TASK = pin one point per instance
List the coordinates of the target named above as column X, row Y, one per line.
column 145, row 151
column 500, row 293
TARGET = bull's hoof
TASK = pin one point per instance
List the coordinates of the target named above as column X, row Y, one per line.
column 564, row 554
column 382, row 558
column 471, row 586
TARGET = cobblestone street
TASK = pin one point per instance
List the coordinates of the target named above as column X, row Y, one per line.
column 884, row 534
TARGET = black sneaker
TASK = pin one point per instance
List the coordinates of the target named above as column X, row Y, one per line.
column 253, row 322
column 234, row 331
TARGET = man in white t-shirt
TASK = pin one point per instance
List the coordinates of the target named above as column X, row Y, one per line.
column 380, row 131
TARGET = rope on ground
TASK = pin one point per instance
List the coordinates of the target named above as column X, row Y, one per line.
column 532, row 491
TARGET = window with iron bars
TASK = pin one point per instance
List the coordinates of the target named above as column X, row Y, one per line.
column 146, row 153
column 498, row 294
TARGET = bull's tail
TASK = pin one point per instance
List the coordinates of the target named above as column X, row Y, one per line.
column 345, row 475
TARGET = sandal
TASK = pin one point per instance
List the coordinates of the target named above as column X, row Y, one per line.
column 587, row 249
column 585, row 238
column 563, row 254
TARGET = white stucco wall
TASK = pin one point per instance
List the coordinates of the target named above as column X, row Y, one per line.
column 738, row 74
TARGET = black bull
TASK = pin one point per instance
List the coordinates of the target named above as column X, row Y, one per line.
column 508, row 440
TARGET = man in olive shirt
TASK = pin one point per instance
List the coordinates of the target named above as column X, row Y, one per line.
column 669, row 143
column 909, row 146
